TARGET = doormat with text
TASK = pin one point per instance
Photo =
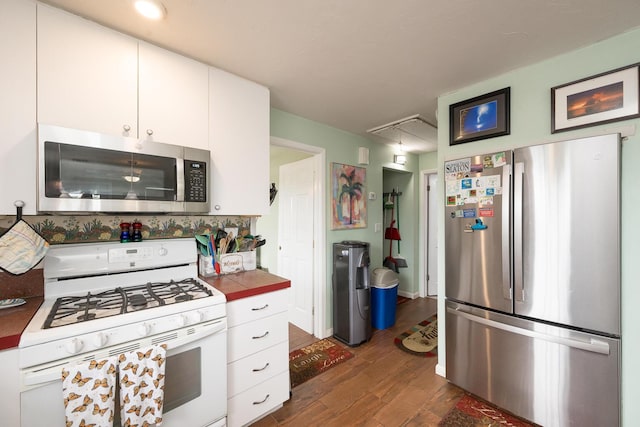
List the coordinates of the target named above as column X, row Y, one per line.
column 472, row 412
column 421, row 339
column 307, row 362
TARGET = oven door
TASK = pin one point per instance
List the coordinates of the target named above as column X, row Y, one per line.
column 195, row 380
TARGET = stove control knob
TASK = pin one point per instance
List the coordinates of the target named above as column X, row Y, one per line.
column 144, row 329
column 100, row 339
column 182, row 320
column 74, row 346
column 162, row 251
column 200, row 316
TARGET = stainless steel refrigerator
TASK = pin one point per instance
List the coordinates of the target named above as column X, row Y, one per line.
column 533, row 280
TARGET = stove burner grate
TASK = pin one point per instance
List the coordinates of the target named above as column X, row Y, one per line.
column 74, row 309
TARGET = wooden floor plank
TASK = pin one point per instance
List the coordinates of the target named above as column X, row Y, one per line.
column 381, row 386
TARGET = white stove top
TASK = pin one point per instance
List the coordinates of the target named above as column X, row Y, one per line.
column 75, row 274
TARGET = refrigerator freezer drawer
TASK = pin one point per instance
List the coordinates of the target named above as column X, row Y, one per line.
column 546, row 374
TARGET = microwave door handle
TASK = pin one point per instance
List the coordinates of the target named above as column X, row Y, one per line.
column 518, row 199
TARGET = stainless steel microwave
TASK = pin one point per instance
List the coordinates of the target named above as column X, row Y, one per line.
column 82, row 171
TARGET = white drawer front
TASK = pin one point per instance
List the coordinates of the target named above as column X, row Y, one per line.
column 257, row 307
column 252, row 370
column 250, row 338
column 258, row 401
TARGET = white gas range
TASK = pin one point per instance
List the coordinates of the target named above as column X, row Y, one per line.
column 104, row 299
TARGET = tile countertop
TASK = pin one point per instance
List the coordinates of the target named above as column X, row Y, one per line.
column 14, row 320
column 247, row 283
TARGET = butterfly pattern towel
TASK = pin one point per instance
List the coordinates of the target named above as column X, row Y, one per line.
column 142, row 386
column 88, row 390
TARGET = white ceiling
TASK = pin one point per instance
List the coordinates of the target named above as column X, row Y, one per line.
column 359, row 64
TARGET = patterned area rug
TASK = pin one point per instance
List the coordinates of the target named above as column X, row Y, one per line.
column 471, row 412
column 309, row 361
column 421, row 340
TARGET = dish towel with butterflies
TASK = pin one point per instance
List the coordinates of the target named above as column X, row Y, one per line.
column 142, row 386
column 88, row 390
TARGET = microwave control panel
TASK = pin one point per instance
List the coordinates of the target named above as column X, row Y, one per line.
column 195, row 181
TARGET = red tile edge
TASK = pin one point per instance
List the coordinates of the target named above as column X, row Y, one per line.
column 232, row 296
column 9, row 342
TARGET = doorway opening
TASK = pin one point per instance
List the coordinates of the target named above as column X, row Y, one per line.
column 297, row 228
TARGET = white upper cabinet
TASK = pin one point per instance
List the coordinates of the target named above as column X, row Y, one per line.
column 94, row 78
column 87, row 75
column 174, row 98
column 239, row 144
column 18, row 106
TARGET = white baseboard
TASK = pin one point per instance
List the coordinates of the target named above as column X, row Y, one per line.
column 441, row 370
column 411, row 295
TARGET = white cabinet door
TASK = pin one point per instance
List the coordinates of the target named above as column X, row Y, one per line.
column 174, row 98
column 18, row 106
column 87, row 74
column 239, row 144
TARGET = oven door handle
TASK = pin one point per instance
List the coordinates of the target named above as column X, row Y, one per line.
column 54, row 373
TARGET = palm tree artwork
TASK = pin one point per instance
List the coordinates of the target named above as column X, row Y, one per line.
column 349, row 202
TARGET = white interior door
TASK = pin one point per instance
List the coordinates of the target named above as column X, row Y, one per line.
column 295, row 238
column 432, row 236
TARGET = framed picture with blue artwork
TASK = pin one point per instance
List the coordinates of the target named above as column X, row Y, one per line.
column 482, row 117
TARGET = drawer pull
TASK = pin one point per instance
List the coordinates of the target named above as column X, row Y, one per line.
column 260, row 308
column 262, row 401
column 261, row 336
column 261, row 369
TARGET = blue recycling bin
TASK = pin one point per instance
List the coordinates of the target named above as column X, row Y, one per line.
column 384, row 298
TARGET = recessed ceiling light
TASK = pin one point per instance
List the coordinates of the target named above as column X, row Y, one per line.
column 151, row 9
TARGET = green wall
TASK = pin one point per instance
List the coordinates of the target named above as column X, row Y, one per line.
column 342, row 147
column 530, row 124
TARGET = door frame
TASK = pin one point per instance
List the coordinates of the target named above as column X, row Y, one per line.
column 320, row 329
column 424, row 229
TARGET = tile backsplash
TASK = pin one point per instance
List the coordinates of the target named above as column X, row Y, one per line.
column 59, row 229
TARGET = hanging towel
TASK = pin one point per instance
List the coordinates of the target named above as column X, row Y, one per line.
column 21, row 248
column 88, row 392
column 142, row 386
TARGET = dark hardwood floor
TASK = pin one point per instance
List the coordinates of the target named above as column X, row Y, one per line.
column 380, row 386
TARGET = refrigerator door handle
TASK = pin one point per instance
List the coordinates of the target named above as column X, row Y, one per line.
column 518, row 189
column 592, row 345
column 506, row 254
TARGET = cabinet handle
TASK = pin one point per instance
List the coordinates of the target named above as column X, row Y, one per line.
column 261, row 336
column 149, row 132
column 262, row 401
column 216, row 207
column 126, row 128
column 261, row 369
column 260, row 308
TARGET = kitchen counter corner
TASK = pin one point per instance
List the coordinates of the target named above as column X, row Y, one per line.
column 247, row 283
column 14, row 320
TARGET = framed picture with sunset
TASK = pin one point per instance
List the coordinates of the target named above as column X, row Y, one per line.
column 603, row 98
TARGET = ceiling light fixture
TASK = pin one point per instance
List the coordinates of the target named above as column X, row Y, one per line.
column 131, row 178
column 399, row 159
column 151, row 9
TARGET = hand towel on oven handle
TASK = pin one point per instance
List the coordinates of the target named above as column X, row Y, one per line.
column 142, row 385
column 88, row 390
